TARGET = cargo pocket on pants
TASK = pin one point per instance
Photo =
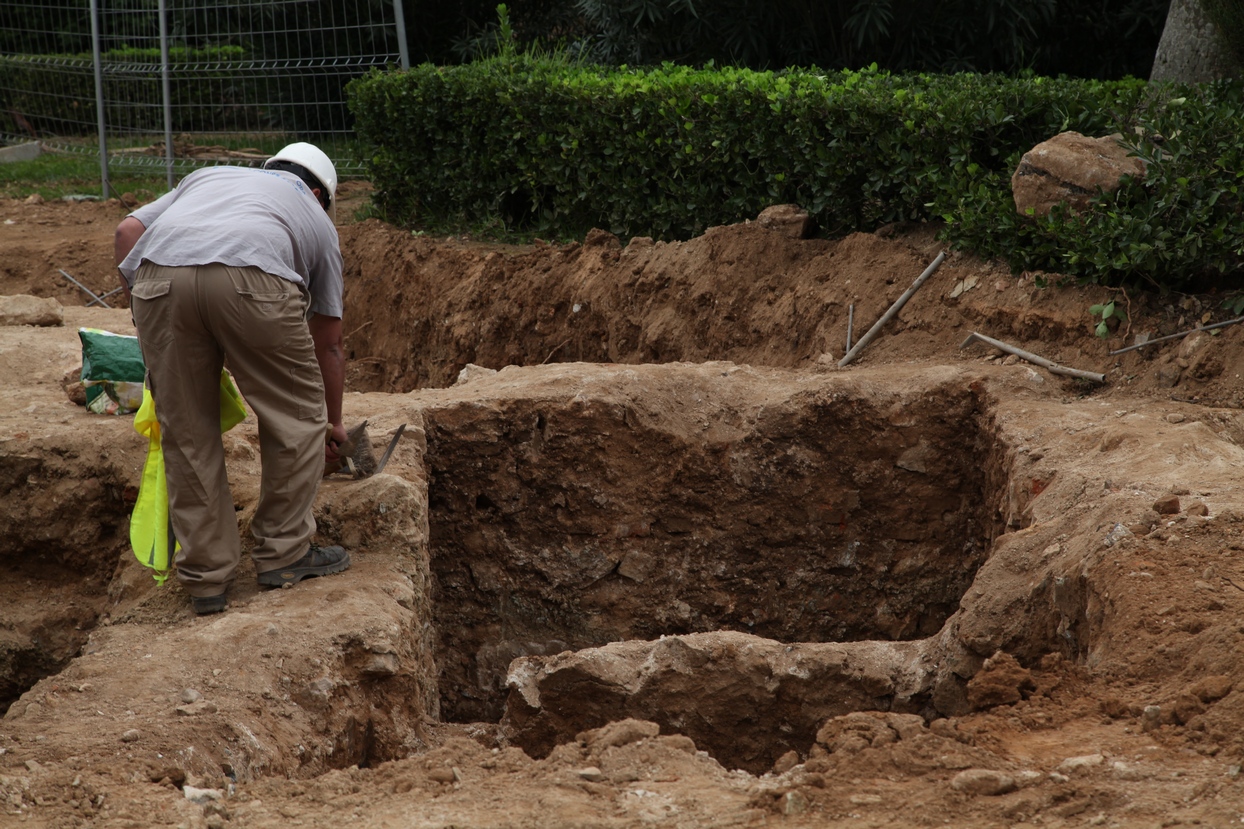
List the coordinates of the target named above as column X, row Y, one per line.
column 150, row 310
column 151, row 288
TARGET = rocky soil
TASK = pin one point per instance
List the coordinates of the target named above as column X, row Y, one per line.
column 645, row 555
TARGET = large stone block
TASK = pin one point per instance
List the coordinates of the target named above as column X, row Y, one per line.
column 744, row 699
column 1071, row 169
column 788, row 219
column 23, row 309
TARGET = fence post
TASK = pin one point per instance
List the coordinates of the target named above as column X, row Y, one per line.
column 167, row 94
column 99, row 99
column 399, row 20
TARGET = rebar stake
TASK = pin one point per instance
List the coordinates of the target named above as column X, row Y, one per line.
column 894, row 309
column 85, row 290
column 1048, row 365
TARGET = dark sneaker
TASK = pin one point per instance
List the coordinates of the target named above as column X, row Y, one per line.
column 203, row 605
column 319, row 561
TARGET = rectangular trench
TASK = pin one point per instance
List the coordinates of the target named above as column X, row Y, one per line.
column 563, row 526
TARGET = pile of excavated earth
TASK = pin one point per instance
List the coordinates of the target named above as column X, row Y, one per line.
column 645, row 554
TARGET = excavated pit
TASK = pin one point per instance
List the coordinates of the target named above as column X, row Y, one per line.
column 560, row 522
column 574, row 521
column 836, row 517
column 1109, row 627
column 60, row 536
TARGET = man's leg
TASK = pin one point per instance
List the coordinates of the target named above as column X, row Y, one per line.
column 184, row 362
column 258, row 319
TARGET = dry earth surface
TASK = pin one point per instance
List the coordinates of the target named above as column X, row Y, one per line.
column 645, row 555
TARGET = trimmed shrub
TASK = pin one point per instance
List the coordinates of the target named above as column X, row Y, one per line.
column 1181, row 225
column 534, row 145
column 668, row 152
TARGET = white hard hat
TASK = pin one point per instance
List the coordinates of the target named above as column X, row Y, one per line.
column 315, row 161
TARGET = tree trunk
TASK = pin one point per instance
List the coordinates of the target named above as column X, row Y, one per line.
column 1191, row 48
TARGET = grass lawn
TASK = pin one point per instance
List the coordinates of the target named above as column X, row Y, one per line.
column 75, row 170
column 54, row 175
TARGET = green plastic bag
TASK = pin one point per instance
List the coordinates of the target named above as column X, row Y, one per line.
column 112, row 371
column 151, row 532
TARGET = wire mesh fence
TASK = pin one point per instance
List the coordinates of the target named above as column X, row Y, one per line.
column 179, row 84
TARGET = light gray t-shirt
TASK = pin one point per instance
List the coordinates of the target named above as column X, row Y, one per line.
column 244, row 217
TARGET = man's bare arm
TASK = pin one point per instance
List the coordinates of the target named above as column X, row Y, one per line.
column 123, row 242
column 330, row 354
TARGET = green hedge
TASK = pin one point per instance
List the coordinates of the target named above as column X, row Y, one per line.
column 542, row 146
column 671, row 151
column 1181, row 227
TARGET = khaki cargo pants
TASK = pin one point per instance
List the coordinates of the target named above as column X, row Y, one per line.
column 192, row 321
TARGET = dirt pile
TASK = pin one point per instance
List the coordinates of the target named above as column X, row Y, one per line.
column 643, row 554
column 751, row 296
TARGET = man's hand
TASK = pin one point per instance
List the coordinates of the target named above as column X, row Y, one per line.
column 333, row 441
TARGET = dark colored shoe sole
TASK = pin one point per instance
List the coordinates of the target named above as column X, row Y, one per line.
column 204, row 605
column 293, row 575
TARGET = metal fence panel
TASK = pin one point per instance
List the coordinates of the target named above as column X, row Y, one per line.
column 227, row 82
